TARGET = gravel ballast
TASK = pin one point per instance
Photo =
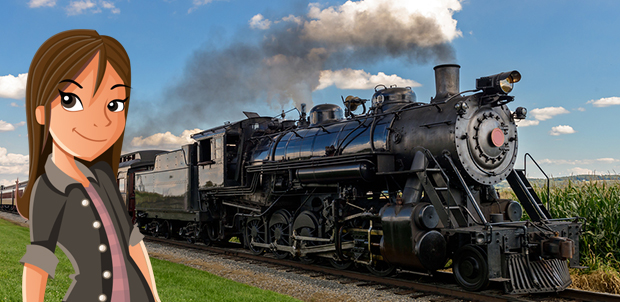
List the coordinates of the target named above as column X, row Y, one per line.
column 300, row 286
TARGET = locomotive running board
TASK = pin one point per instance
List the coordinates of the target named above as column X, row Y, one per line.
column 541, row 276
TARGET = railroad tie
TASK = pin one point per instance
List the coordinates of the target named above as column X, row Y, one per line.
column 405, row 292
column 418, row 295
column 365, row 283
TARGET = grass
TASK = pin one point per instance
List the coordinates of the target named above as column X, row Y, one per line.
column 175, row 282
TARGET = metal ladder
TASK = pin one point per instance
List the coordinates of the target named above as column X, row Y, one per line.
column 436, row 185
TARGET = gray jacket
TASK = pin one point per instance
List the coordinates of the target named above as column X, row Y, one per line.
column 62, row 214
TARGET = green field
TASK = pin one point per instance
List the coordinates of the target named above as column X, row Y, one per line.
column 597, row 199
column 175, row 282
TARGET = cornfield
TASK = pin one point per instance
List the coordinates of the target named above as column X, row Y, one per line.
column 599, row 204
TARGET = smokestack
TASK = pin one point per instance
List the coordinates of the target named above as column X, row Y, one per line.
column 446, row 81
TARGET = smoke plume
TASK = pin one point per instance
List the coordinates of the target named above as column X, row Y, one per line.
column 285, row 65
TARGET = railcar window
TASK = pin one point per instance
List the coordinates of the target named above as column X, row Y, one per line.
column 121, row 185
column 204, row 151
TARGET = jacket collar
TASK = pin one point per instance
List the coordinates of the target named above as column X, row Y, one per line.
column 60, row 180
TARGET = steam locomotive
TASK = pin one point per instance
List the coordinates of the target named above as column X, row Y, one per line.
column 403, row 184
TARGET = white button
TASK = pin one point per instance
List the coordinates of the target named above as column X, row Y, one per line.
column 102, row 298
column 107, row 274
column 96, row 224
column 85, row 202
column 103, row 248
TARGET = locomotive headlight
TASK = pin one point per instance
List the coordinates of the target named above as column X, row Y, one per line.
column 501, row 83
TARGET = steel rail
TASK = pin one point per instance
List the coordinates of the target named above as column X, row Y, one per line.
column 450, row 290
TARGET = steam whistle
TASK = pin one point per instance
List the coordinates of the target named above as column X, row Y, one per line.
column 303, row 117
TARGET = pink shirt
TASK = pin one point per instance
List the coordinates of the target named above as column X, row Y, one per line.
column 120, row 282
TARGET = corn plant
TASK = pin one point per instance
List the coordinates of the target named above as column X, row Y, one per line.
column 599, row 204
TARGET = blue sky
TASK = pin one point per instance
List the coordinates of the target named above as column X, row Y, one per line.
column 195, row 64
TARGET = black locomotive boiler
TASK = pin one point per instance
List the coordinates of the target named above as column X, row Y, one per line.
column 403, row 184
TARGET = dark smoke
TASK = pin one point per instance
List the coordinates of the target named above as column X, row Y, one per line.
column 284, row 67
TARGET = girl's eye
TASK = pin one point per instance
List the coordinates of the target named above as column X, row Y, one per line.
column 70, row 101
column 116, row 105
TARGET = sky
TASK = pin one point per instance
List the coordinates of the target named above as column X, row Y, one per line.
column 197, row 64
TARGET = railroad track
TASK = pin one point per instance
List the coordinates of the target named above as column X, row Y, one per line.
column 412, row 284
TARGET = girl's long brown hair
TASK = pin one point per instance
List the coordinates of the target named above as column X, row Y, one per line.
column 64, row 56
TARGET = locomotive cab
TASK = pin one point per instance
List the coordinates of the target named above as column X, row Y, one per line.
column 221, row 150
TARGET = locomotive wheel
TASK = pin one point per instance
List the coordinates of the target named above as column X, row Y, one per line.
column 306, row 225
column 342, row 265
column 213, row 231
column 165, row 230
column 279, row 231
column 470, row 268
column 204, row 236
column 381, row 268
column 255, row 231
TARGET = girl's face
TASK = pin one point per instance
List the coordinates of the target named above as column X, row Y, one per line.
column 84, row 122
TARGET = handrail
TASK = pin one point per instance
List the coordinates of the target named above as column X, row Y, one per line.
column 467, row 191
column 541, row 170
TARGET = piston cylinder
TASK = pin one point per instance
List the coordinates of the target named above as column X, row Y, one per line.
column 407, row 242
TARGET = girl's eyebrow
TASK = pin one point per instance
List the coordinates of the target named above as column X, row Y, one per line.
column 71, row 81
column 119, row 85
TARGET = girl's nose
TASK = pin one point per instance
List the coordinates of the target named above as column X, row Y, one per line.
column 101, row 119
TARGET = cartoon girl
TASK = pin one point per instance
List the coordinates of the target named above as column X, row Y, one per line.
column 77, row 97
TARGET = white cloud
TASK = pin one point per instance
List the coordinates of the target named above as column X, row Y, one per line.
column 198, row 3
column 164, row 140
column 581, row 109
column 11, row 163
column 13, row 104
column 526, row 123
column 605, row 102
column 359, row 79
column 580, row 171
column 543, row 114
column 292, row 18
column 4, row 126
column 39, row 3
column 13, row 87
column 607, row 160
column 7, row 158
column 369, row 22
column 561, row 129
column 79, row 7
column 259, row 22
column 111, row 7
